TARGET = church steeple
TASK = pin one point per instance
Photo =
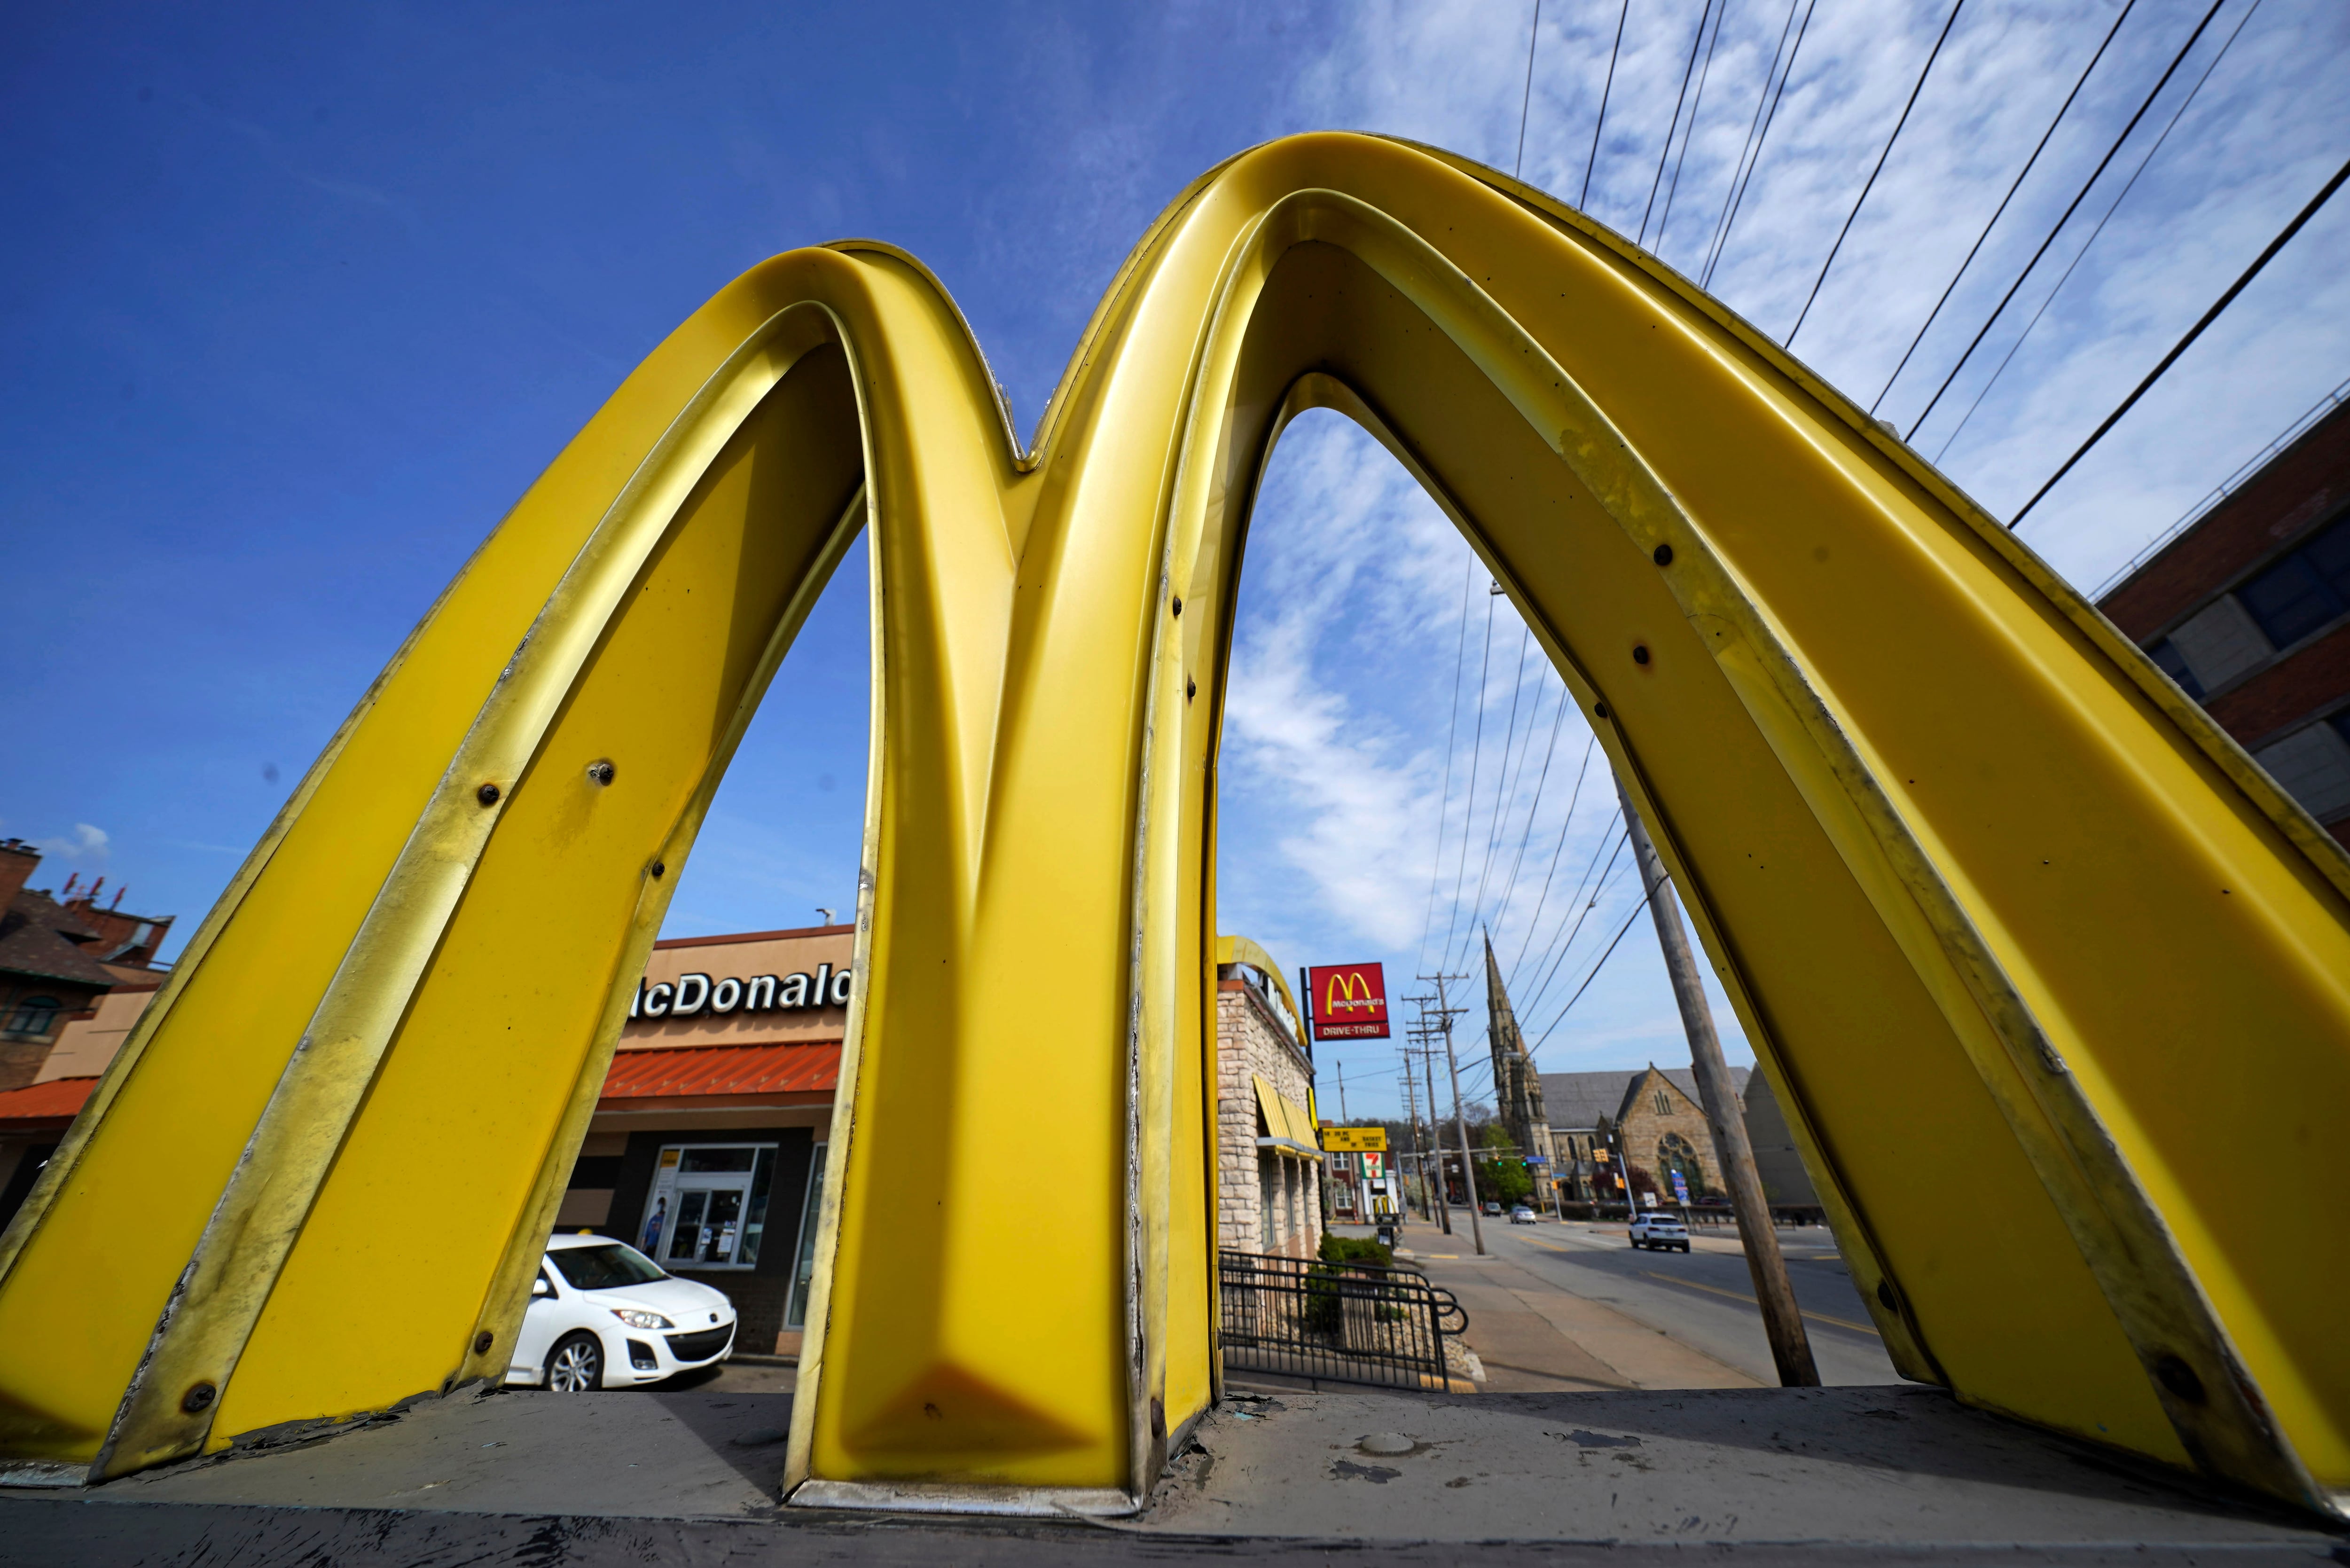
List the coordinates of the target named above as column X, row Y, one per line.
column 1517, row 1087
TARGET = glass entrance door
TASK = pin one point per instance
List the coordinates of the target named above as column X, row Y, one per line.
column 712, row 1193
column 708, row 1206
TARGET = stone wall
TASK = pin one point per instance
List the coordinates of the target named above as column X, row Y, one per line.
column 1266, row 1200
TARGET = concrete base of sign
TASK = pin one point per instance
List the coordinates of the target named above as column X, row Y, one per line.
column 1765, row 1476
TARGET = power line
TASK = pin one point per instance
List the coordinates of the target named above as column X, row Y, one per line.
column 1509, row 890
column 1567, row 946
column 1594, row 974
column 1762, row 99
column 1459, row 663
column 1739, row 204
column 1688, row 133
column 1595, row 969
column 1503, row 792
column 1476, row 755
column 1932, row 56
column 2193, row 332
column 1533, row 35
column 2078, row 256
column 1596, row 126
column 1687, row 71
column 2071, row 207
column 1567, row 825
column 1562, row 935
column 1508, row 806
column 2062, row 109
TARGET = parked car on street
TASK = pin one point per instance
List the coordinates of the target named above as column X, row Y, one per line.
column 1521, row 1215
column 1661, row 1231
column 604, row 1315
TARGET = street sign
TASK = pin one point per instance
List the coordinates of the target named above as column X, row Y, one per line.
column 1348, row 1000
column 1354, row 1140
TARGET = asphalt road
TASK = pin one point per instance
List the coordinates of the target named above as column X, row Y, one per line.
column 1704, row 1297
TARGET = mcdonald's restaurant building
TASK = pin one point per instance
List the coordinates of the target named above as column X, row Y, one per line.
column 707, row 1145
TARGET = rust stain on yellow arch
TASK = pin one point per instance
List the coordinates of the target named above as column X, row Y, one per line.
column 2027, row 943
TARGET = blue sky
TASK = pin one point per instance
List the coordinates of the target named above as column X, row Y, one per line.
column 295, row 301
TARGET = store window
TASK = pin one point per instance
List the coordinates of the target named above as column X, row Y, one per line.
column 709, row 1204
column 2308, row 589
column 804, row 1272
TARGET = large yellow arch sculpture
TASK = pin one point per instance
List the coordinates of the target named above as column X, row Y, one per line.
column 2045, row 967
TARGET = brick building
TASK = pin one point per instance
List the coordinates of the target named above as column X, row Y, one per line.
column 74, row 976
column 58, row 955
column 2248, row 608
column 1269, row 1169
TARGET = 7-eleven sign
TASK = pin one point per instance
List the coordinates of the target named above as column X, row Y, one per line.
column 1348, row 1000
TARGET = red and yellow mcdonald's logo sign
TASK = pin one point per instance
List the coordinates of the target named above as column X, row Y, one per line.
column 1349, row 1002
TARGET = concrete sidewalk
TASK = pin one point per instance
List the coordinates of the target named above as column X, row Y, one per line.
column 1766, row 1476
column 1536, row 1336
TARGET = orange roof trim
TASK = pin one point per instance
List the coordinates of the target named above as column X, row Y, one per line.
column 61, row 1099
column 699, row 1070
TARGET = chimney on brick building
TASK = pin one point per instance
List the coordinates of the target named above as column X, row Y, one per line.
column 17, row 861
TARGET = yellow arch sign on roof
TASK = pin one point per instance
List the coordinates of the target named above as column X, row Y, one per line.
column 1241, row 950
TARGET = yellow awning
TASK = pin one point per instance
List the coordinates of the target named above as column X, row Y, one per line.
column 1286, row 1122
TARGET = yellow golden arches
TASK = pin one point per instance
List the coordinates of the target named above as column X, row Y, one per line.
column 2013, row 927
column 1245, row 950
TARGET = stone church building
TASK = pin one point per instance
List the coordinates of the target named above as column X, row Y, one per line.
column 1657, row 1123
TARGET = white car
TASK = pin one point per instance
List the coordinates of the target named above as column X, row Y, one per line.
column 1663, row 1232
column 604, row 1315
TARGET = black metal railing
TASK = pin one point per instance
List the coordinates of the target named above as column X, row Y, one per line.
column 1348, row 1323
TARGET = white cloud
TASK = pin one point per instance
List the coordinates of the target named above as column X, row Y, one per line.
column 2261, row 135
column 1334, row 780
column 87, row 845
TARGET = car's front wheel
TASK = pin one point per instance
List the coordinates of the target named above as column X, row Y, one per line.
column 576, row 1365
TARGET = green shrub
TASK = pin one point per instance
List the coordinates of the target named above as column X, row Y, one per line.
column 1322, row 1297
column 1354, row 1249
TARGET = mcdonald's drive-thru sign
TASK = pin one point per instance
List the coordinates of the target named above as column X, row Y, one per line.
column 1348, row 1000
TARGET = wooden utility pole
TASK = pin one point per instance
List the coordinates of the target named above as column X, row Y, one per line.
column 1411, row 1109
column 1445, row 1013
column 1423, row 1034
column 1782, row 1320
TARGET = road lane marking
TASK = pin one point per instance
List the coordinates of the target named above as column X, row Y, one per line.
column 1750, row 1300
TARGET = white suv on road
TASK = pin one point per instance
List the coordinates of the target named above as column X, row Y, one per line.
column 603, row 1315
column 1663, row 1232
